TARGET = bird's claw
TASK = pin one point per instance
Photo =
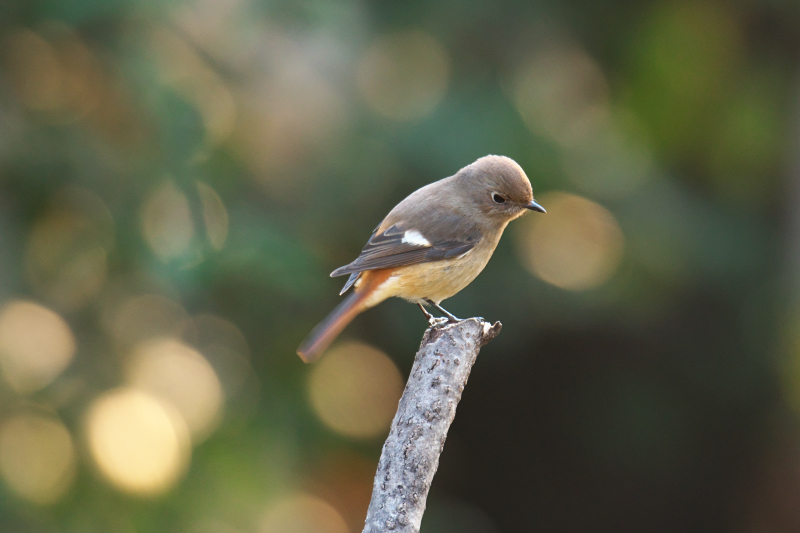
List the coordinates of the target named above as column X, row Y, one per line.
column 437, row 322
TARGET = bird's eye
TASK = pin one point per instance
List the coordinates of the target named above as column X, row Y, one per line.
column 498, row 199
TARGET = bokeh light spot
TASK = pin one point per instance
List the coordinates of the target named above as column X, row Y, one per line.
column 174, row 371
column 36, row 345
column 302, row 513
column 82, row 83
column 225, row 348
column 34, row 70
column 354, row 390
column 183, row 69
column 207, row 331
column 37, row 457
column 138, row 443
column 215, row 215
column 293, row 111
column 167, row 221
column 578, row 245
column 404, row 76
column 562, row 94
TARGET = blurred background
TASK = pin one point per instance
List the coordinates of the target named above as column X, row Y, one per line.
column 178, row 179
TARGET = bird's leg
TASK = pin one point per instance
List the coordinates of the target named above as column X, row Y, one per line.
column 429, row 317
column 450, row 317
column 432, row 320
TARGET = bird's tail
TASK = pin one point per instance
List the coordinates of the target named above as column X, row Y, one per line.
column 326, row 331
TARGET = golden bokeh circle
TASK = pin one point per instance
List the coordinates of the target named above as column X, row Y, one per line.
column 166, row 221
column 37, row 457
column 577, row 245
column 178, row 373
column 215, row 215
column 354, row 390
column 36, row 345
column 139, row 443
column 34, row 70
column 403, row 76
column 561, row 93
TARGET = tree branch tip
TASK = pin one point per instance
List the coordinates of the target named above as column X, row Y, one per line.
column 487, row 334
column 490, row 332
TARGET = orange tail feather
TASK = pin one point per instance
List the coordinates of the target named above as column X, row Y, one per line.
column 326, row 331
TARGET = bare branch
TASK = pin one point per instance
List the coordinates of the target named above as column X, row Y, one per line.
column 411, row 453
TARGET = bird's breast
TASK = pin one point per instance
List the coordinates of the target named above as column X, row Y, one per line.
column 438, row 280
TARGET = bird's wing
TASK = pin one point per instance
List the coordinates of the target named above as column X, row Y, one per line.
column 398, row 246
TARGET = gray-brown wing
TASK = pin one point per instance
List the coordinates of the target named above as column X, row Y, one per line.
column 398, row 246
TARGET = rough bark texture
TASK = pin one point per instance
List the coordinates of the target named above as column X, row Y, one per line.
column 411, row 453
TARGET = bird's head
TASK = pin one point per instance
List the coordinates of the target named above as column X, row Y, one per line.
column 498, row 186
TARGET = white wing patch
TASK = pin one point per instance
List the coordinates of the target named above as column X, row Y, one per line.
column 414, row 237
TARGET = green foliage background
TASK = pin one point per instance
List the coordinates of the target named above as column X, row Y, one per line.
column 662, row 400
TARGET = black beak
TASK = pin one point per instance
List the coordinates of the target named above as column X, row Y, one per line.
column 533, row 206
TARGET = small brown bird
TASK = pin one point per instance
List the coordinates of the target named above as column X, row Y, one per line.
column 431, row 245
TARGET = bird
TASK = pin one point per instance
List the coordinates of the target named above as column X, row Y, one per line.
column 431, row 245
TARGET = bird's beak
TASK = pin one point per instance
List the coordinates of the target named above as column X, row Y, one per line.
column 533, row 206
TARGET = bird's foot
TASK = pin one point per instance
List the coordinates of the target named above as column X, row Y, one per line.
column 437, row 322
column 432, row 320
